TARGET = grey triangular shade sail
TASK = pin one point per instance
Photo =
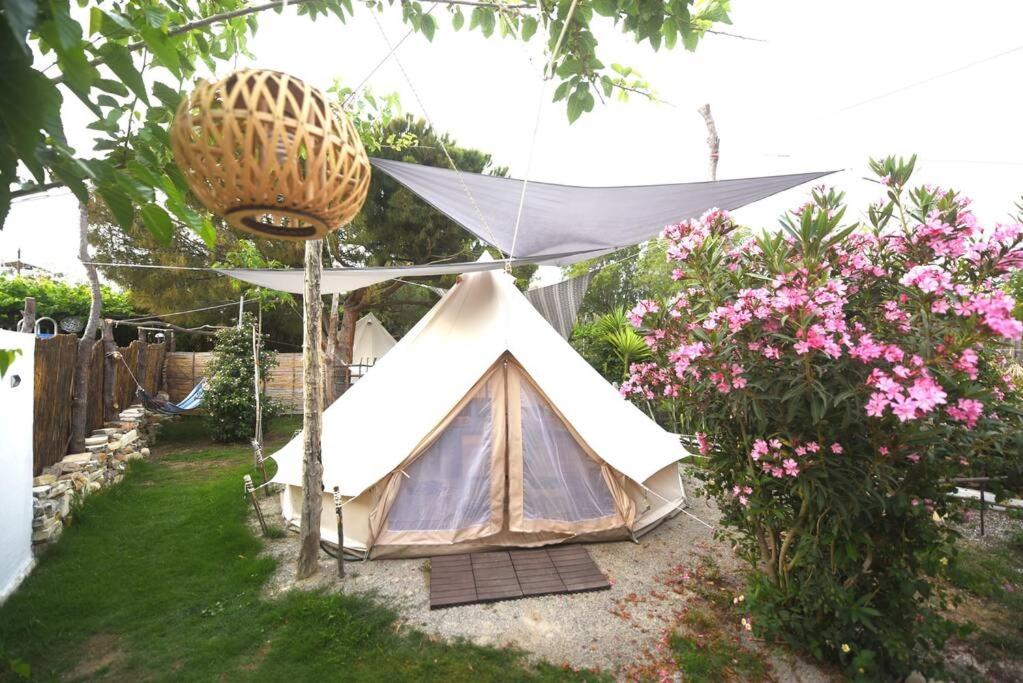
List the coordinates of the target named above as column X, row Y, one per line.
column 559, row 303
column 339, row 280
column 563, row 223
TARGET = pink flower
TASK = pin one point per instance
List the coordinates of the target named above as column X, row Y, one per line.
column 791, row 467
column 928, row 279
column 966, row 410
column 836, row 448
column 876, row 405
column 904, row 408
column 759, row 449
column 967, row 363
column 927, row 394
column 701, row 438
column 637, row 314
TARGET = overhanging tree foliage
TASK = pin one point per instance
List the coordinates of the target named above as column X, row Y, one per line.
column 57, row 300
column 128, row 63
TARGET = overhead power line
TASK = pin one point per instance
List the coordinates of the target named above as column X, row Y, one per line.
column 929, row 79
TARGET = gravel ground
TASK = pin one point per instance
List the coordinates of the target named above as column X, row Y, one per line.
column 579, row 630
column 999, row 527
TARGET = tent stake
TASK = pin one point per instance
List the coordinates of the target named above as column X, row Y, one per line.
column 251, row 492
column 340, row 533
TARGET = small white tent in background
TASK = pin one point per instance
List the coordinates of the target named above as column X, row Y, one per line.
column 484, row 428
column 372, row 341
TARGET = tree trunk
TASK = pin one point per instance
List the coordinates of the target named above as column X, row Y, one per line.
column 140, row 366
column 109, row 370
column 80, row 401
column 28, row 316
column 312, row 476
column 713, row 142
column 330, row 369
column 346, row 336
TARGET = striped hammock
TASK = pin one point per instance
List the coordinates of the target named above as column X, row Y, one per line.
column 190, row 402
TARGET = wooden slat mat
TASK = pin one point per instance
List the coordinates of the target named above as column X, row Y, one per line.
column 509, row 574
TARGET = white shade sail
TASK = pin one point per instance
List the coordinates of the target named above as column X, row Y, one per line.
column 567, row 223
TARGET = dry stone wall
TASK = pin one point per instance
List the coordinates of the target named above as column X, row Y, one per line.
column 107, row 454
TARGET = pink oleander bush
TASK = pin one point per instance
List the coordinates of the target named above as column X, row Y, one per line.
column 836, row 378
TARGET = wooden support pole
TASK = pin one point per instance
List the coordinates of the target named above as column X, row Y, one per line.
column 28, row 316
column 983, row 504
column 250, row 491
column 143, row 358
column 713, row 141
column 109, row 370
column 340, row 533
column 312, row 465
column 257, row 436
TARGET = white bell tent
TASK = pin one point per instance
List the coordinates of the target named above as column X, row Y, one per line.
column 484, row 428
column 372, row 341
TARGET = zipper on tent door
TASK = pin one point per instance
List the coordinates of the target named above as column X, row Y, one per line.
column 506, row 509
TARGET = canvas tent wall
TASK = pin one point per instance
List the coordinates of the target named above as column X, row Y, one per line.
column 482, row 427
column 372, row 341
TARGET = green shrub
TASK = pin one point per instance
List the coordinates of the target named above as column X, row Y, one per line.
column 230, row 400
column 835, row 379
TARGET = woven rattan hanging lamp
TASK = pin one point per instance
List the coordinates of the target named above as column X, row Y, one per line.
column 271, row 154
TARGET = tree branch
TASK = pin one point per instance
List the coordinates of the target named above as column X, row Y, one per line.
column 275, row 4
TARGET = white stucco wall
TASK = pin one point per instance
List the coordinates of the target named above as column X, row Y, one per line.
column 16, row 411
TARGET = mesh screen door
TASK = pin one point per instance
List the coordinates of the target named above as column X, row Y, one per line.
column 554, row 484
column 450, row 487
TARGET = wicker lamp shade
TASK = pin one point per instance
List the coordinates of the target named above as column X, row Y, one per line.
column 271, row 154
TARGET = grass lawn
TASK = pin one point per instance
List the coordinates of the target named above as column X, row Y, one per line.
column 991, row 579
column 160, row 578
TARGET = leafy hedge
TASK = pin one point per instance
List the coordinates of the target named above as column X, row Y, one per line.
column 57, row 299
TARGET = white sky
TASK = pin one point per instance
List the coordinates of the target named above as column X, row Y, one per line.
column 781, row 106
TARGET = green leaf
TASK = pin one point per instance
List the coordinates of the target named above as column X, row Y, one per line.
column 487, row 23
column 119, row 204
column 37, row 106
column 20, row 18
column 529, row 25
column 63, row 32
column 155, row 15
column 170, row 97
column 7, row 357
column 158, row 223
column 562, row 91
column 605, row 8
column 428, row 25
column 139, row 191
column 458, row 20
column 118, row 59
column 690, row 38
column 111, row 86
column 163, row 48
column 669, row 30
column 575, row 106
column 95, row 20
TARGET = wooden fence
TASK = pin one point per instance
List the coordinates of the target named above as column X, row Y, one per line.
column 55, row 383
column 55, row 360
column 184, row 369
